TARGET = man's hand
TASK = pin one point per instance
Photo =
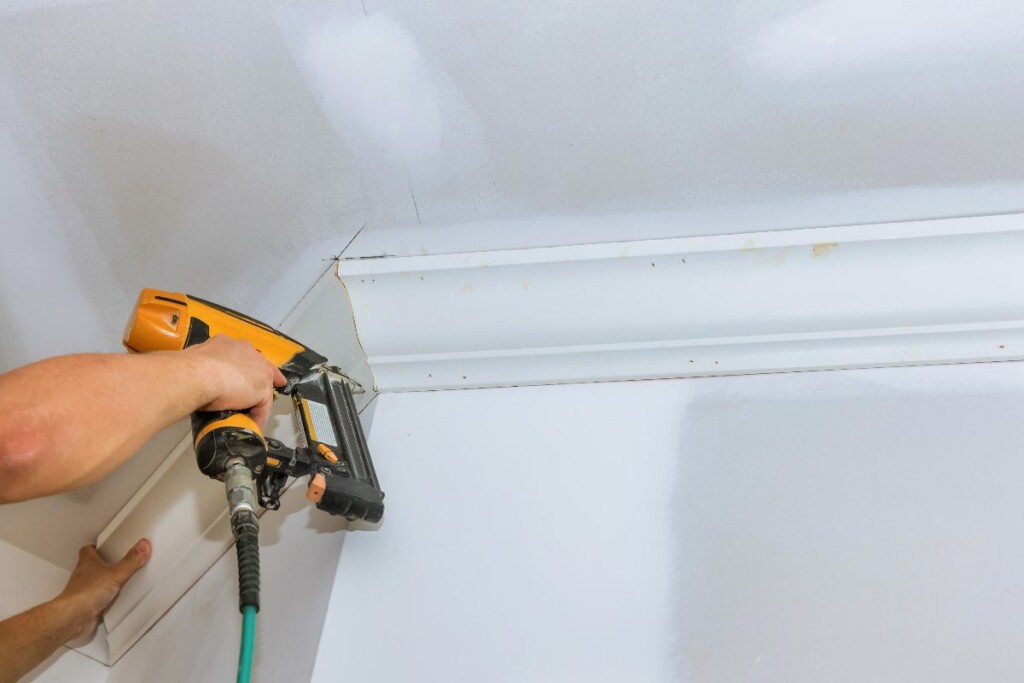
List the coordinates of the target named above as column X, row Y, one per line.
column 27, row 639
column 67, row 421
column 94, row 584
column 240, row 378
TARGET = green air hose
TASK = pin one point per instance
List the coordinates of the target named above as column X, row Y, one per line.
column 246, row 530
column 245, row 527
column 248, row 639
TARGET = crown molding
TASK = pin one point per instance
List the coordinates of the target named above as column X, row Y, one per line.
column 923, row 292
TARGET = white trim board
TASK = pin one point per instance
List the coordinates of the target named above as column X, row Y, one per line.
column 184, row 514
column 941, row 291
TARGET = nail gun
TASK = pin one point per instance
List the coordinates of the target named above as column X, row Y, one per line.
column 231, row 447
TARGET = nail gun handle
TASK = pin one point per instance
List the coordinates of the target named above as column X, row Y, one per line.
column 218, row 436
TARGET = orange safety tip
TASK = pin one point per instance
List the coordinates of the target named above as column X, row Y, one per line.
column 328, row 454
column 317, row 488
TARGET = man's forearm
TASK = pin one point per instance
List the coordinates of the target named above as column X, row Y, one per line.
column 27, row 639
column 65, row 422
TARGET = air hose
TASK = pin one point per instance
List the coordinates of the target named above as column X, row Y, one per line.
column 245, row 527
column 248, row 638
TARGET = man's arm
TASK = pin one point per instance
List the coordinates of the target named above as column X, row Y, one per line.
column 68, row 421
column 27, row 639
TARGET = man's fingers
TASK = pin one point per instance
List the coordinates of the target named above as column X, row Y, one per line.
column 260, row 413
column 133, row 561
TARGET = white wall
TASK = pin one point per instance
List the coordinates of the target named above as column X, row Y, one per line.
column 198, row 639
column 67, row 665
column 847, row 526
column 27, row 580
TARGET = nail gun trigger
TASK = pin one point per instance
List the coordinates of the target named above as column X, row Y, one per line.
column 280, row 460
column 270, row 485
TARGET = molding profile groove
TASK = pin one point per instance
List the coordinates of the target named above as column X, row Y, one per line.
column 184, row 514
column 940, row 291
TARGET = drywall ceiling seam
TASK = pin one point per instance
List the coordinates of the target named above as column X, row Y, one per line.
column 922, row 292
column 184, row 514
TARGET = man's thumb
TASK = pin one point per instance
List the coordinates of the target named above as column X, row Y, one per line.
column 133, row 561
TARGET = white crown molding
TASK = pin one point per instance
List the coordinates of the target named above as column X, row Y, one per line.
column 940, row 291
column 184, row 514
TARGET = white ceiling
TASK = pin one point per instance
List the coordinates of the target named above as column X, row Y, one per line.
column 226, row 148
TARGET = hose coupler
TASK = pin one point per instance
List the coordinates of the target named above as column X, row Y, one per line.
column 239, row 486
column 245, row 527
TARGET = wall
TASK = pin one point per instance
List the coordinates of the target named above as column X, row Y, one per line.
column 848, row 526
column 198, row 639
column 67, row 665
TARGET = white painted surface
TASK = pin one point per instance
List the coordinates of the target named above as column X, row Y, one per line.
column 216, row 147
column 67, row 665
column 848, row 526
column 228, row 148
column 826, row 38
column 859, row 296
column 198, row 639
column 27, row 580
column 200, row 147
column 806, row 211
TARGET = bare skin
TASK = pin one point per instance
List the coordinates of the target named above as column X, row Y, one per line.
column 27, row 639
column 67, row 422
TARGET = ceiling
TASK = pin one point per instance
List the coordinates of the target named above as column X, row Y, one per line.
column 228, row 148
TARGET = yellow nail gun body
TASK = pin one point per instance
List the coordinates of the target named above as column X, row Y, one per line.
column 342, row 480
